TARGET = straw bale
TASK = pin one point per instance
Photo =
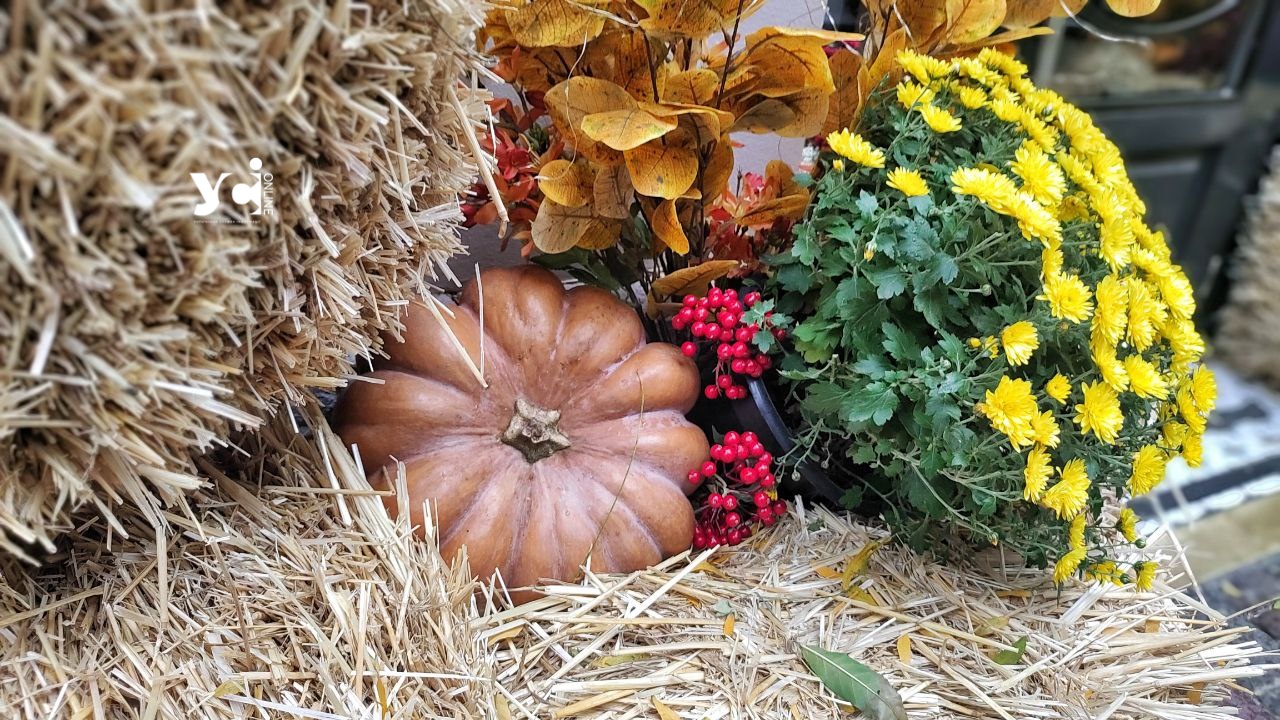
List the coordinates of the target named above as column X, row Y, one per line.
column 279, row 597
column 135, row 333
column 1249, row 333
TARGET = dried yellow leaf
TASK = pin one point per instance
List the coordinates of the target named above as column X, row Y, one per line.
column 1133, row 8
column 857, row 563
column 567, row 183
column 565, row 23
column 904, row 649
column 664, row 712
column 572, row 100
column 558, row 228
column 694, row 18
column 612, row 192
column 728, row 625
column 664, row 168
column 972, row 20
column 666, row 227
column 693, row 279
column 626, row 129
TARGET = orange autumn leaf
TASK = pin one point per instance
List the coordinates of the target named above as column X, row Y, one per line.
column 664, row 168
column 705, row 124
column 971, row 20
column 801, row 114
column 694, row 18
column 692, row 87
column 566, row 183
column 626, row 129
column 1133, row 8
column 563, row 23
column 558, row 228
column 612, row 192
column 786, row 60
column 843, row 106
column 785, row 199
column 666, row 227
column 621, row 56
column 998, row 39
column 572, row 100
column 693, row 279
column 1026, row 13
column 717, row 170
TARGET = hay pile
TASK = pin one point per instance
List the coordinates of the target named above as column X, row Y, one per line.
column 291, row 595
column 1249, row 334
column 277, row 599
column 633, row 646
column 134, row 332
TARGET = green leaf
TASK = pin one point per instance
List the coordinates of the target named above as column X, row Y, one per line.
column 899, row 343
column 889, row 282
column 855, row 683
column 924, row 495
column 867, row 204
column 722, row 608
column 1014, row 656
column 874, row 401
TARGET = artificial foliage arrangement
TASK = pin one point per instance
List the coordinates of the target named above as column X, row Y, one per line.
column 987, row 333
column 536, row 426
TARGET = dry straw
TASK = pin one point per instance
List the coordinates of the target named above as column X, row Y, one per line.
column 290, row 594
column 1249, row 334
column 133, row 332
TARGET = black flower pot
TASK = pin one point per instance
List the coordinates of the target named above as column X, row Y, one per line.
column 758, row 414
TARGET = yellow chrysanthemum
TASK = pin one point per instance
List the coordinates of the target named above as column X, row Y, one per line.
column 1190, row 413
column 1010, row 408
column 1114, row 242
column 1100, row 412
column 1148, row 470
column 1019, row 341
column 854, row 148
column 1036, row 475
column 1035, row 221
column 1204, row 389
column 1146, row 314
column 1044, row 429
column 1109, row 366
column 939, row 119
column 838, row 164
column 993, row 189
column 1193, row 449
column 970, row 67
column 1075, row 532
column 1051, row 261
column 1002, row 62
column 1069, row 495
column 1040, row 175
column 1127, row 524
column 1111, row 307
column 1058, row 388
column 1105, row 571
column 1172, row 435
column 911, row 95
column 1185, row 341
column 1145, row 379
column 1146, row 570
column 907, row 182
column 1068, row 297
column 1177, row 294
column 972, row 97
column 1068, row 564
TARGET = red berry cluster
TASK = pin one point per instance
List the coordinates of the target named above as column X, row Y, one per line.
column 745, row 497
column 717, row 318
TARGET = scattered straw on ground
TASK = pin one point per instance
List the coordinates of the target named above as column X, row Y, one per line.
column 717, row 636
column 135, row 332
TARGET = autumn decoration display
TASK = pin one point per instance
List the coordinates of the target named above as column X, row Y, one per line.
column 536, row 426
column 988, row 335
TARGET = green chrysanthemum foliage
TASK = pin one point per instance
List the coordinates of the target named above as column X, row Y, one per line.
column 989, row 338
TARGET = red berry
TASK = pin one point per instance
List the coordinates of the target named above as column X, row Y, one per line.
column 745, row 530
column 747, row 476
column 711, row 392
column 726, row 335
column 698, row 329
column 690, row 300
column 716, row 450
column 729, row 502
column 734, row 307
column 737, row 392
column 686, row 314
column 708, row 468
column 740, row 451
column 743, row 335
column 695, row 477
column 725, row 318
column 779, row 507
column 731, row 439
column 711, row 330
column 689, row 349
column 753, row 369
column 779, row 333
column 677, row 324
column 714, row 500
column 701, row 314
column 740, row 350
column 749, row 438
column 732, row 519
column 724, row 351
column 735, row 536
column 763, row 459
column 724, row 381
column 767, row 481
column 761, row 499
column 757, row 449
column 764, row 362
column 752, row 298
column 731, row 293
column 765, row 515
column 738, row 365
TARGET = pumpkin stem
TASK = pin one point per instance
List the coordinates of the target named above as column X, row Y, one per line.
column 533, row 431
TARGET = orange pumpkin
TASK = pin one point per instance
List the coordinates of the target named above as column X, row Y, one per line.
column 578, row 445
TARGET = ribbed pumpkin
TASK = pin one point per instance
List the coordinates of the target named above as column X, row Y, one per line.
column 578, row 445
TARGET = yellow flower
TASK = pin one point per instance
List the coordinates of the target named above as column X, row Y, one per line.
column 1186, row 343
column 853, row 147
column 1109, row 366
column 1069, row 495
column 1111, row 308
column 970, row 67
column 1204, row 389
column 1172, row 434
column 1044, row 429
column 1191, row 414
column 1100, row 412
column 1145, row 314
column 1177, row 294
column 1067, row 565
column 1146, row 570
column 1051, row 259
column 837, row 165
column 990, row 188
column 1035, row 221
column 972, row 97
column 1040, row 176
column 939, row 120
column 907, row 182
column 1068, row 297
column 1058, row 388
column 1036, row 475
column 1193, row 449
column 1105, row 571
column 1006, row 64
column 923, row 67
column 1010, row 408
column 1127, row 524
column 911, row 95
column 1148, row 470
column 1144, row 378
column 1075, row 533
column 1115, row 240
column 1019, row 341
